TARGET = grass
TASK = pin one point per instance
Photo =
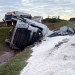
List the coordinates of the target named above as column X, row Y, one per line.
column 3, row 36
column 63, row 23
column 3, row 25
column 57, row 25
column 15, row 64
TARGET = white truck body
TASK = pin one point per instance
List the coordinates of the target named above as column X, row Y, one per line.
column 15, row 15
column 26, row 31
column 37, row 18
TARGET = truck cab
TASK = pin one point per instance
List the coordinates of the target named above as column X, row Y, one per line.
column 12, row 17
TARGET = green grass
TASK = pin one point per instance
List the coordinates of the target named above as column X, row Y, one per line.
column 15, row 64
column 3, row 25
column 53, row 26
column 3, row 35
column 62, row 23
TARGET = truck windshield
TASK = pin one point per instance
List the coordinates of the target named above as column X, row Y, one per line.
column 8, row 17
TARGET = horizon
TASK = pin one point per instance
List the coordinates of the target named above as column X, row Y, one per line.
column 47, row 17
column 64, row 9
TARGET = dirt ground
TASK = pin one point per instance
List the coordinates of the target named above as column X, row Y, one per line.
column 7, row 54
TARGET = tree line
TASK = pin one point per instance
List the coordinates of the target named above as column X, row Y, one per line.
column 52, row 20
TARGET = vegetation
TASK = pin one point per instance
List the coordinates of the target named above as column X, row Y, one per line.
column 59, row 24
column 54, row 23
column 72, row 19
column 15, row 64
column 51, row 20
column 2, row 24
column 62, row 23
column 3, row 36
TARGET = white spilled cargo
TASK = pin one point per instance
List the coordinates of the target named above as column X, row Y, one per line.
column 62, row 31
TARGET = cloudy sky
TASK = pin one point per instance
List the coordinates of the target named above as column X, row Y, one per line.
column 63, row 8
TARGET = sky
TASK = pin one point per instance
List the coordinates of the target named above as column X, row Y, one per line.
column 63, row 8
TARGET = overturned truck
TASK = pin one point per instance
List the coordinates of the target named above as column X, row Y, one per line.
column 26, row 32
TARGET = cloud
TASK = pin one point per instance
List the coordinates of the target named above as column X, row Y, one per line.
column 40, row 7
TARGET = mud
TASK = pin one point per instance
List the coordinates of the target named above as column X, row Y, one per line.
column 8, row 55
column 5, row 57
